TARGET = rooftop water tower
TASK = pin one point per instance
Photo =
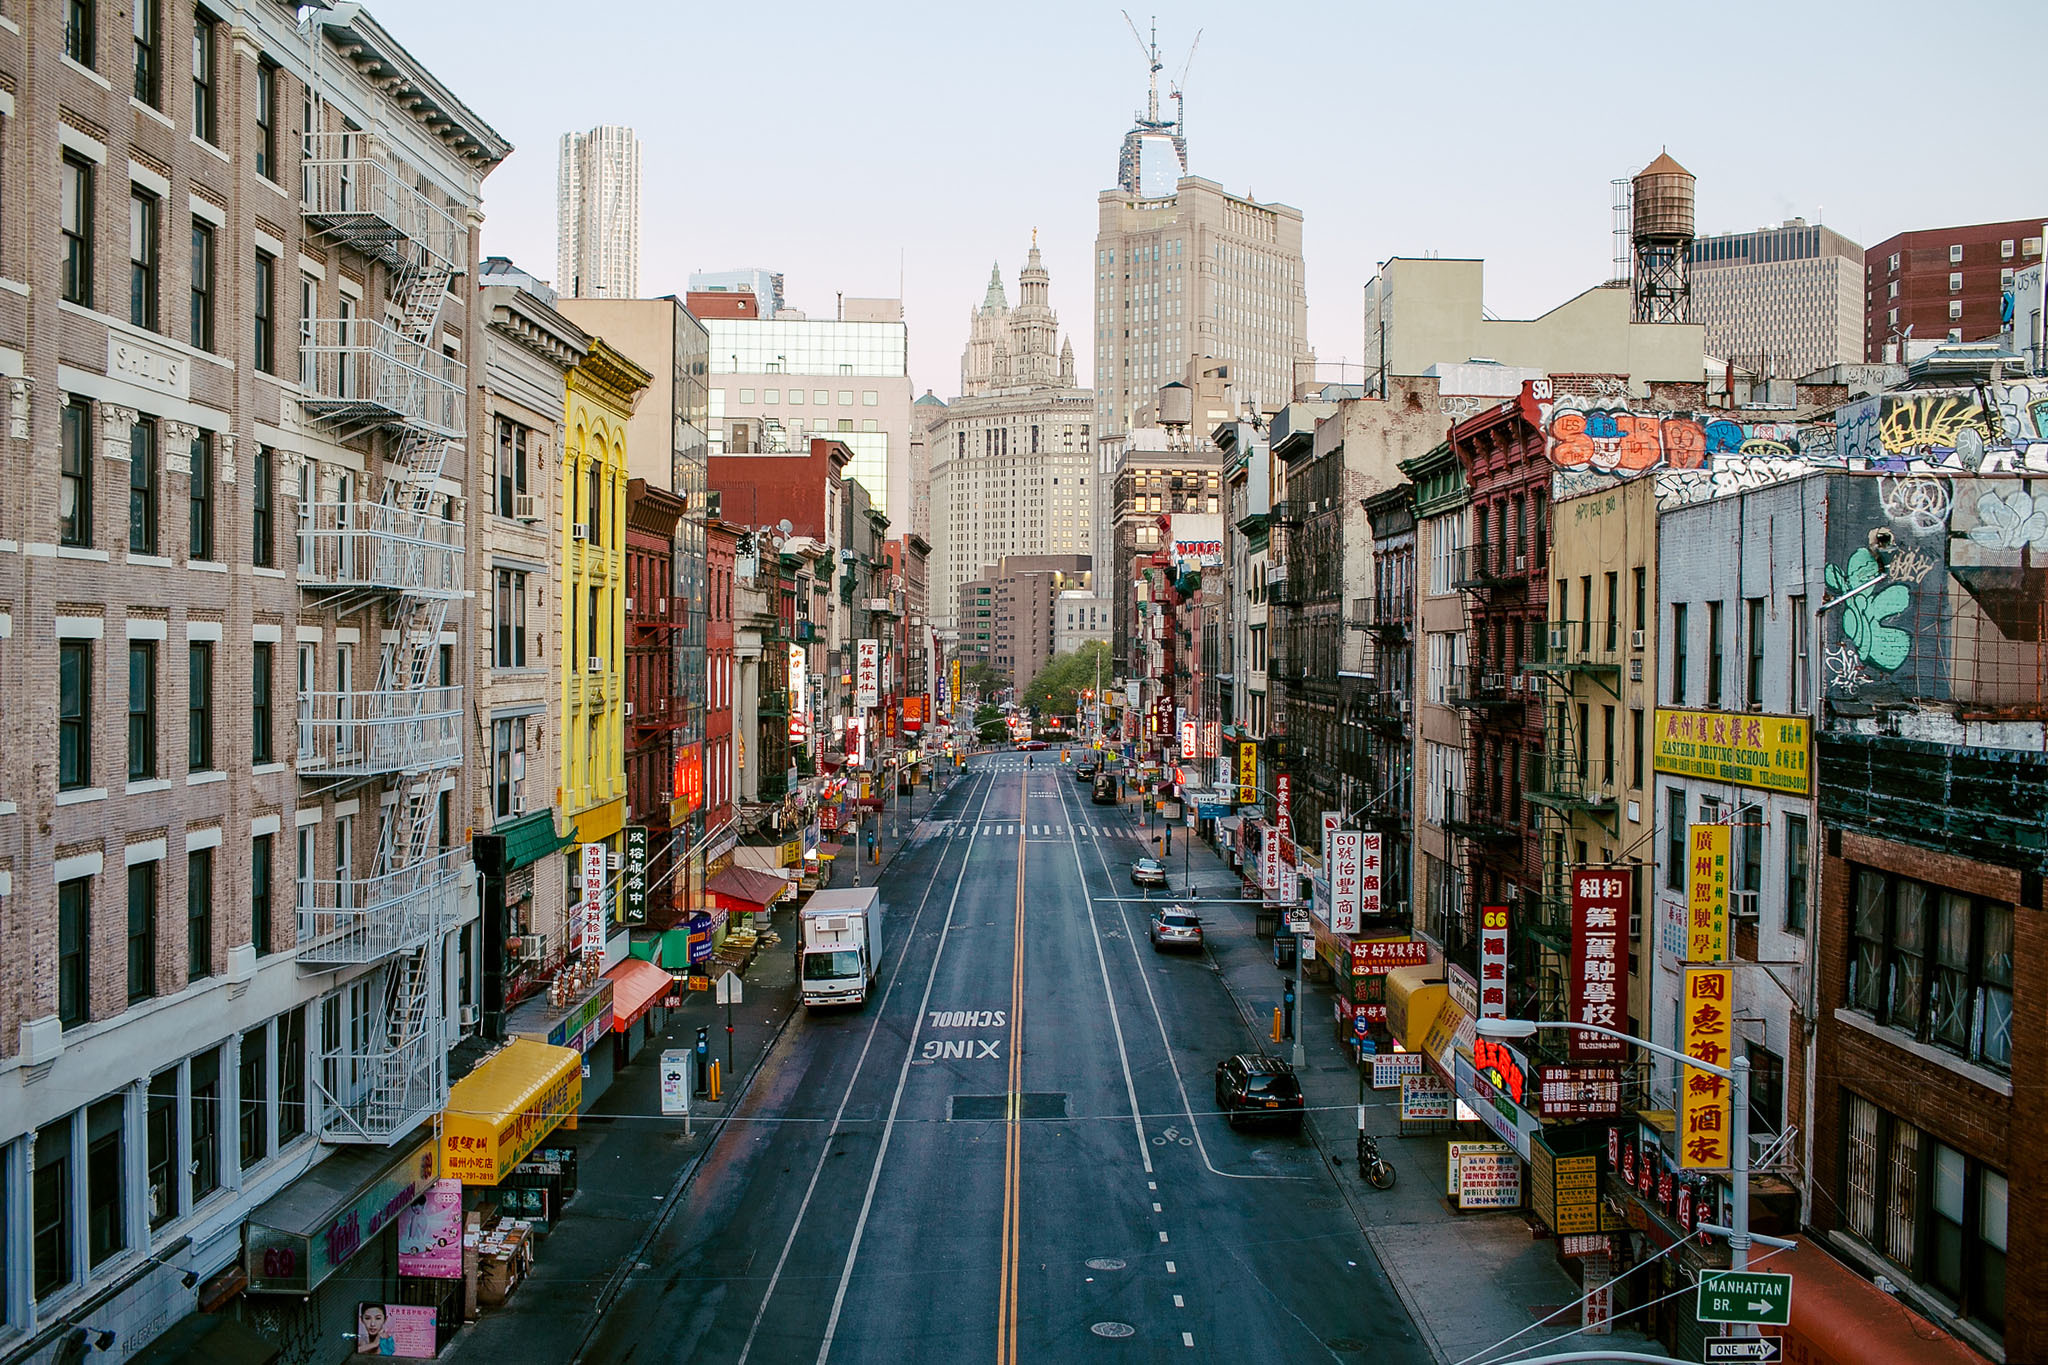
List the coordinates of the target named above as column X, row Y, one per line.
column 1663, row 232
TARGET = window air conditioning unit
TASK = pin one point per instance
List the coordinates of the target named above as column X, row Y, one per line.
column 1559, row 635
column 629, row 710
column 1521, row 563
column 595, row 663
column 579, row 531
column 661, row 703
column 662, row 610
column 471, row 1016
column 614, row 860
column 525, row 507
column 629, row 604
column 1635, row 639
column 519, row 803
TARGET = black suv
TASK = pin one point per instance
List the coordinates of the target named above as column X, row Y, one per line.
column 1253, row 1089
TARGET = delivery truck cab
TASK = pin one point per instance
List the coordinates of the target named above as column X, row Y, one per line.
column 839, row 947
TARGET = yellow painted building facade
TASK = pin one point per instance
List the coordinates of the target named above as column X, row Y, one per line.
column 602, row 392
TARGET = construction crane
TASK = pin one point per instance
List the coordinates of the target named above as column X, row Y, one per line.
column 1179, row 83
column 1151, row 51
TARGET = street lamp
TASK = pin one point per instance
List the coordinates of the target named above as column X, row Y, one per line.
column 1736, row 1073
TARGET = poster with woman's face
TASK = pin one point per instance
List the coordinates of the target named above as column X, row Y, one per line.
column 395, row 1329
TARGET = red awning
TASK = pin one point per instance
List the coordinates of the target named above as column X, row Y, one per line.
column 1840, row 1318
column 636, row 985
column 746, row 888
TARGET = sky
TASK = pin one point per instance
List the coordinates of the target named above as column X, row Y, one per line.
column 855, row 146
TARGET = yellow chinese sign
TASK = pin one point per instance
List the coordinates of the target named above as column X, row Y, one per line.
column 1247, row 772
column 1706, row 910
column 1705, row 1109
column 792, row 853
column 1748, row 750
column 955, row 693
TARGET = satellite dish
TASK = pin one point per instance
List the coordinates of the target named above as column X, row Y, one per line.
column 786, row 527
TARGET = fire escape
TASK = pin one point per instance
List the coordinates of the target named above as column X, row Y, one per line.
column 1489, row 697
column 395, row 558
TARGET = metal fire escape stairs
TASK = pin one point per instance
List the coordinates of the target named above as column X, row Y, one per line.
column 401, row 553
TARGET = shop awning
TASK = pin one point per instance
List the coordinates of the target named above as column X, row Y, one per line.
column 1414, row 995
column 305, row 1232
column 746, row 888
column 1840, row 1318
column 513, row 844
column 636, row 985
column 501, row 1111
column 207, row 1339
column 828, row 851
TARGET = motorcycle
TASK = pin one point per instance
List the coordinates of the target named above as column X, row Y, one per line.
column 1373, row 1168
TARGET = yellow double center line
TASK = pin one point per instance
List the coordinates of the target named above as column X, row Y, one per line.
column 1013, row 1135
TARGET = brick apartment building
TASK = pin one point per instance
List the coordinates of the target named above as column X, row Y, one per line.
column 655, row 717
column 1936, row 283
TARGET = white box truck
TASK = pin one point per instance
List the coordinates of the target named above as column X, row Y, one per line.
column 839, row 946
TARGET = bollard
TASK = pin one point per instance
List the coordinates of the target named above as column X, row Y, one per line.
column 717, row 1082
column 1276, row 1024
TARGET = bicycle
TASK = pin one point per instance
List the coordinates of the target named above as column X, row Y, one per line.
column 1373, row 1168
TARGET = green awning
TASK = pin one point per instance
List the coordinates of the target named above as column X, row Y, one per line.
column 530, row 838
column 646, row 949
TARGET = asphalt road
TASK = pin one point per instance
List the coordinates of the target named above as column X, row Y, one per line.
column 1012, row 1154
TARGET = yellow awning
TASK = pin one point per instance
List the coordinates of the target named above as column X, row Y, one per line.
column 503, row 1109
column 1414, row 995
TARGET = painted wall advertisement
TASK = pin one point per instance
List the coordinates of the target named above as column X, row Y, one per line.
column 867, row 674
column 1749, row 750
column 1484, row 1175
column 1197, row 540
column 1424, row 1098
column 1706, row 912
column 1599, row 976
column 590, row 916
column 1493, row 961
column 1704, row 1139
column 1344, row 847
column 430, row 1234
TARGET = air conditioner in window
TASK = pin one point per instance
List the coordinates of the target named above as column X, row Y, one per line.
column 595, row 663
column 525, row 507
column 519, row 803
column 579, row 531
column 629, row 604
column 629, row 710
column 1635, row 639
column 662, row 610
column 614, row 859
column 1521, row 563
column 471, row 1016
column 661, row 703
column 1559, row 637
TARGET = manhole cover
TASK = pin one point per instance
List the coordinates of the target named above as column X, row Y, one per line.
column 1104, row 1263
column 1345, row 1344
column 1113, row 1329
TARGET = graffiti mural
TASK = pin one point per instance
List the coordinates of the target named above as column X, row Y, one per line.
column 1867, row 608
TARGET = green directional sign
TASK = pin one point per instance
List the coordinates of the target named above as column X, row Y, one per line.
column 1745, row 1296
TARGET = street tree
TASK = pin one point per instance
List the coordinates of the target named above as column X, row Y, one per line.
column 1059, row 688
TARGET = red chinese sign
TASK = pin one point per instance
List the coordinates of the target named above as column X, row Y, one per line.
column 688, row 784
column 1493, row 961
column 1599, row 980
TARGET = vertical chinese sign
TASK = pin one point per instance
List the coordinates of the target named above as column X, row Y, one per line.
column 1369, row 875
column 1705, row 1110
column 590, row 917
column 1706, row 911
column 1247, row 772
column 867, row 675
column 1342, row 850
column 635, row 899
column 1187, row 739
column 1599, row 980
column 1269, row 864
column 1493, row 961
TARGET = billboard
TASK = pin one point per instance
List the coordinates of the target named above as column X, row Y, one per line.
column 1768, row 752
column 1197, row 540
column 1345, row 850
column 1247, row 772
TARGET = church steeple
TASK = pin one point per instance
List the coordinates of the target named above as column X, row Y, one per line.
column 995, row 298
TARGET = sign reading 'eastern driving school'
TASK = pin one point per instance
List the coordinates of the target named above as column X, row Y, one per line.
column 1746, row 748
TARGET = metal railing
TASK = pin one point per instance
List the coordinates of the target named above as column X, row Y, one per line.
column 354, row 193
column 354, row 920
column 1568, row 781
column 1470, row 686
column 360, row 374
column 372, row 545
column 372, row 732
column 1573, row 644
column 1484, row 564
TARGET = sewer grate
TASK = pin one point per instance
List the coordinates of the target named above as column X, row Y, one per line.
column 1114, row 1329
column 1104, row 1263
column 996, row 1108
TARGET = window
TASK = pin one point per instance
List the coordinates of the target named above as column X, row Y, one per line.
column 1955, row 254
column 1674, row 839
column 74, row 714
column 143, row 485
column 1635, row 748
column 1933, row 963
column 508, row 764
column 201, row 539
column 511, row 465
column 1955, row 309
column 74, row 475
column 508, row 612
column 266, row 120
column 75, row 225
column 141, row 710
column 106, row 1212
column 262, row 672
column 309, row 310
column 291, row 1076
column 1796, row 874
column 1801, row 627
column 869, row 398
column 74, row 951
column 141, row 932
column 1714, row 656
column 50, row 1238
column 1955, row 282
column 262, row 491
column 142, row 258
column 199, row 734
column 1748, row 839
column 259, row 894
column 1607, row 745
column 265, row 354
column 1678, row 668
column 204, row 1120
column 254, row 1129
column 161, row 1126
column 202, row 78
column 202, row 285
column 199, row 914
column 79, row 32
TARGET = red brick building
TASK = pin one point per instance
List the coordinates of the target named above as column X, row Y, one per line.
column 1939, row 283
column 654, row 707
column 717, row 761
column 800, row 487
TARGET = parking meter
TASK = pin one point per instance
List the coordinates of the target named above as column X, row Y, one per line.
column 703, row 1060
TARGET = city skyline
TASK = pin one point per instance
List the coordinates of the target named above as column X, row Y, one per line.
column 1408, row 201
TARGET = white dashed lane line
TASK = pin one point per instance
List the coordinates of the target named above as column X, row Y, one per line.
column 1162, row 1236
column 1179, row 1302
column 1170, row 1269
column 1187, row 1338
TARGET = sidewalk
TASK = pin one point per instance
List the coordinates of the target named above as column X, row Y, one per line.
column 1467, row 1280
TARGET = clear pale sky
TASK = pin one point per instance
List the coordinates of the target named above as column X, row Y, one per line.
column 842, row 144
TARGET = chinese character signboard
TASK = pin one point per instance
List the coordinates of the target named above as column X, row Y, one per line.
column 1187, row 739
column 1389, row 1067
column 1424, row 1098
column 1485, row 1175
column 688, row 778
column 1707, row 1011
column 799, row 696
column 953, row 693
column 1212, row 739
column 1493, row 961
column 1247, row 772
column 1706, row 911
column 1379, row 955
column 636, row 874
column 590, row 917
column 1369, row 874
column 1269, row 863
column 867, row 674
column 1578, row 1092
column 1343, row 848
column 1599, row 980
column 1283, row 792
column 1750, row 750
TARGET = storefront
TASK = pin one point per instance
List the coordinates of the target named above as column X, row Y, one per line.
column 746, row 891
column 505, row 1108
column 328, row 1244
column 638, row 989
column 575, row 1012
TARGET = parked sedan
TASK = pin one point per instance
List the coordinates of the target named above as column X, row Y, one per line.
column 1254, row 1089
column 1174, row 927
column 1148, row 872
